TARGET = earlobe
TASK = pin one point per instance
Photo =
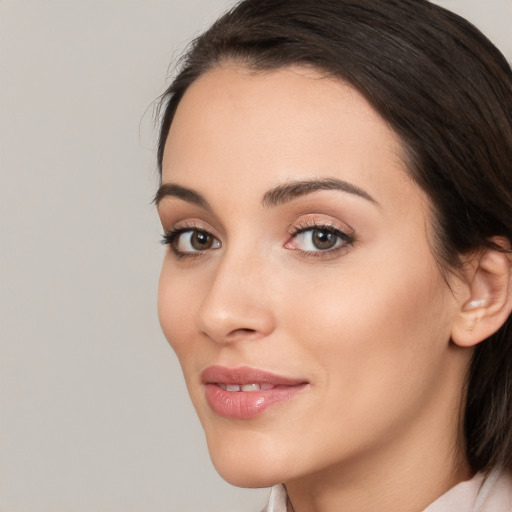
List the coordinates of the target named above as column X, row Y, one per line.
column 490, row 296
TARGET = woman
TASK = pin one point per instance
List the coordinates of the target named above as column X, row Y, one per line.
column 336, row 195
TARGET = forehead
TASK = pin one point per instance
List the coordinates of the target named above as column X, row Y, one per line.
column 241, row 128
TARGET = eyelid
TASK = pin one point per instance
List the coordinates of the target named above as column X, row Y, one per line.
column 172, row 234
column 175, row 214
column 317, row 221
column 191, row 224
column 345, row 234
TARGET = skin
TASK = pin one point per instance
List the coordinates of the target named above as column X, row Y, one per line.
column 367, row 324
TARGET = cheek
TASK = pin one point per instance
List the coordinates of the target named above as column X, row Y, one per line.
column 175, row 310
column 375, row 328
column 377, row 346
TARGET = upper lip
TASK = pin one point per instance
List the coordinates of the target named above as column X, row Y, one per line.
column 246, row 375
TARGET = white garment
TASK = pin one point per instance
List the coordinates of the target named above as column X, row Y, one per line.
column 493, row 494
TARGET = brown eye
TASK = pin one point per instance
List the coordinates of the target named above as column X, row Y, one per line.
column 324, row 240
column 201, row 240
column 192, row 241
column 319, row 239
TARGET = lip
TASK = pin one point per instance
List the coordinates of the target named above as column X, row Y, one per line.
column 247, row 404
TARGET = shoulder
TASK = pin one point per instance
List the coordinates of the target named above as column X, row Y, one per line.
column 495, row 493
column 483, row 493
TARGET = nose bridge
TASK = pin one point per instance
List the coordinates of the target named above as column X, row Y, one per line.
column 237, row 304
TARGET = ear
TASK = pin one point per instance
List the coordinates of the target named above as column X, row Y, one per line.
column 487, row 302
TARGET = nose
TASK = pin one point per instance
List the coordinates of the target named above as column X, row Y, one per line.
column 238, row 304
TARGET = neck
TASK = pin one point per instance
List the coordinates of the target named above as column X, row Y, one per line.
column 405, row 473
column 394, row 486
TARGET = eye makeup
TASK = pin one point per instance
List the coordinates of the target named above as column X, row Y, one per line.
column 310, row 237
column 190, row 240
column 319, row 238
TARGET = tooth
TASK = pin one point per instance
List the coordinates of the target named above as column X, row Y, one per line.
column 266, row 387
column 221, row 385
column 232, row 387
column 250, row 387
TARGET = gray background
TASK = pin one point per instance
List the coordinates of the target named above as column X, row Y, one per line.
column 93, row 412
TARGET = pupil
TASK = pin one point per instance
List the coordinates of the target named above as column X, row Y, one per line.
column 201, row 240
column 324, row 239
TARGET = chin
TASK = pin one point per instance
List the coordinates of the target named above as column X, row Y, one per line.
column 247, row 475
column 248, row 462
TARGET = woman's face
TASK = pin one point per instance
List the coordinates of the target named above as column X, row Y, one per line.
column 299, row 289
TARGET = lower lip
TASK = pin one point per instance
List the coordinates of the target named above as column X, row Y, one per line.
column 247, row 404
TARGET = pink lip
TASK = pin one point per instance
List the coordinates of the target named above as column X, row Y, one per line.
column 247, row 404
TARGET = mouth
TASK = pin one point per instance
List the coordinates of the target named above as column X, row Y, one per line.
column 244, row 393
column 246, row 387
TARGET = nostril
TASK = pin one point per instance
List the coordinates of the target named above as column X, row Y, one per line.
column 241, row 333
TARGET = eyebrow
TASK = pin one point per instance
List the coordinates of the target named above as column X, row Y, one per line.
column 184, row 193
column 290, row 191
column 277, row 196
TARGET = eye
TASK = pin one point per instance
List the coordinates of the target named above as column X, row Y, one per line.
column 187, row 241
column 318, row 239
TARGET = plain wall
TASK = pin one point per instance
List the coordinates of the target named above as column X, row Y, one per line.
column 94, row 415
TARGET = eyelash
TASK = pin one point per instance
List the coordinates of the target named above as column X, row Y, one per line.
column 345, row 239
column 171, row 238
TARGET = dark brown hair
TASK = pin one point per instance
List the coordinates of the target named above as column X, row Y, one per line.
column 447, row 92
